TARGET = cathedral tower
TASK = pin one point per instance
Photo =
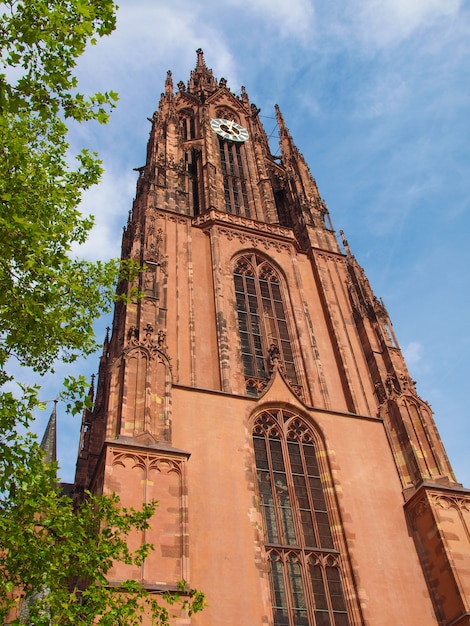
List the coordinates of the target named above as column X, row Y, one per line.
column 257, row 390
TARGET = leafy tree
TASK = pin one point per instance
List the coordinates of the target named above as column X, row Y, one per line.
column 48, row 304
column 60, row 557
column 48, row 300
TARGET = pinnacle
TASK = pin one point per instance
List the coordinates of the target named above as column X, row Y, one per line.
column 200, row 59
column 169, row 83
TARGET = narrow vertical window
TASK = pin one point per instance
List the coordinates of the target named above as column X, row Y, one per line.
column 303, row 564
column 194, row 170
column 235, row 188
column 262, row 321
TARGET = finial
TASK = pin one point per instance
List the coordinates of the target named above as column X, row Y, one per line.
column 106, row 339
column 91, row 391
column 200, row 58
column 345, row 243
column 280, row 119
column 169, row 84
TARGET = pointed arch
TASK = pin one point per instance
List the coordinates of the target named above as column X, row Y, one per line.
column 226, row 112
column 143, row 375
column 304, row 564
column 265, row 330
column 188, row 127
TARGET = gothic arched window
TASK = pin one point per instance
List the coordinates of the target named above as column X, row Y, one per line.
column 304, row 566
column 233, row 172
column 188, row 128
column 262, row 321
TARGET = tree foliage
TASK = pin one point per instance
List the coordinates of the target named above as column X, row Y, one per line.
column 60, row 558
column 49, row 301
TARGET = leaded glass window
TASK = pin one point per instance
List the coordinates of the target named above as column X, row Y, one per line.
column 304, row 566
column 262, row 319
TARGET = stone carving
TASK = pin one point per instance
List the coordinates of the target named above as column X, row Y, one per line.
column 392, row 385
column 133, row 335
column 146, row 462
column 355, row 300
column 297, row 430
column 148, row 339
column 161, row 341
column 265, row 423
column 380, row 391
column 156, row 261
column 253, row 241
column 452, row 501
column 274, row 357
column 245, row 222
column 408, row 384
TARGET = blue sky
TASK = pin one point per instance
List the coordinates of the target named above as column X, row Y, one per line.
column 376, row 94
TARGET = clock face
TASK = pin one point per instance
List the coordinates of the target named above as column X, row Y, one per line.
column 229, row 130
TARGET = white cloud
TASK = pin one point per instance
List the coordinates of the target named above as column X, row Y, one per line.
column 293, row 18
column 109, row 203
column 386, row 95
column 413, row 352
column 155, row 34
column 384, row 22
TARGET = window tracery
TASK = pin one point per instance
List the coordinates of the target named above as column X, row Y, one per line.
column 226, row 113
column 188, row 127
column 303, row 565
column 234, row 177
column 262, row 323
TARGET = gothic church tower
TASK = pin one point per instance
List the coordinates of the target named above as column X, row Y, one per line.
column 257, row 390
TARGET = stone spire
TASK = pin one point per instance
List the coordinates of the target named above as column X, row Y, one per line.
column 169, row 84
column 49, row 440
column 311, row 211
column 283, row 130
column 202, row 81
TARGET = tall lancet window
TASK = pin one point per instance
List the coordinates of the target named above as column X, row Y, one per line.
column 262, row 322
column 233, row 171
column 304, row 566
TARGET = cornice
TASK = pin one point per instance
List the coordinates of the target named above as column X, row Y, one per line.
column 442, row 494
column 130, row 444
column 243, row 224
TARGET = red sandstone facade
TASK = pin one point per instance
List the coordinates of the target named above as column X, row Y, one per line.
column 258, row 392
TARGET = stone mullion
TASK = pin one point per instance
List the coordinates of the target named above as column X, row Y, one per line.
column 291, row 488
column 250, row 330
column 309, row 492
column 303, row 558
column 277, row 507
column 262, row 324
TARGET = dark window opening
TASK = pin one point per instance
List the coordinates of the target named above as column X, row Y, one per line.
column 188, row 128
column 193, row 167
column 282, row 208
